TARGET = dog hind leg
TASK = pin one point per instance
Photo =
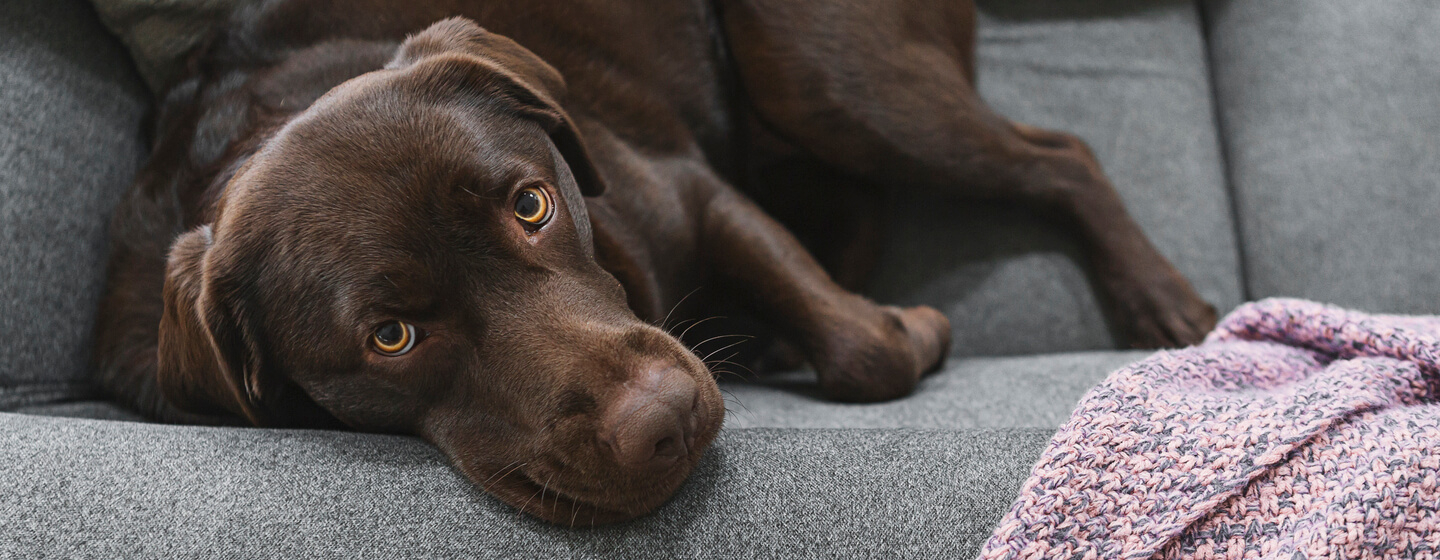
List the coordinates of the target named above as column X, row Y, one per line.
column 885, row 90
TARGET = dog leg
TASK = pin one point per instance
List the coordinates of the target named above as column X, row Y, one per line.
column 885, row 90
column 860, row 350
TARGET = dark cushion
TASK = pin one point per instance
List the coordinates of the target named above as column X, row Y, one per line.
column 70, row 110
column 1129, row 77
column 96, row 489
column 1331, row 113
column 92, row 409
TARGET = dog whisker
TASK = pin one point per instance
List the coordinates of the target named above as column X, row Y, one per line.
column 724, row 348
column 673, row 308
column 726, row 360
column 736, row 400
column 486, row 485
column 472, row 193
column 748, row 375
column 720, row 336
column 714, row 365
column 541, row 493
column 720, row 372
column 547, row 487
column 697, row 323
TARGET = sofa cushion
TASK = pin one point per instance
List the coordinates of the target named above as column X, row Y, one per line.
column 968, row 393
column 70, row 110
column 1129, row 77
column 1331, row 113
column 98, row 489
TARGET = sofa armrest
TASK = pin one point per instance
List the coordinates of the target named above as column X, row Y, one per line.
column 90, row 488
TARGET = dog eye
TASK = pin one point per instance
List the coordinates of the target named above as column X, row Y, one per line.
column 533, row 206
column 394, row 338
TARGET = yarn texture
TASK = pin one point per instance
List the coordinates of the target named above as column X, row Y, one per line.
column 1296, row 430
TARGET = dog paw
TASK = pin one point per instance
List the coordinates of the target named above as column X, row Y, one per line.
column 1165, row 313
column 885, row 358
column 929, row 333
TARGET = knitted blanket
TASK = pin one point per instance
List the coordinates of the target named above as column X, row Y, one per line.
column 1297, row 430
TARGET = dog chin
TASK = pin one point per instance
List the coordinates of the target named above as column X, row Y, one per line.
column 548, row 496
column 553, row 495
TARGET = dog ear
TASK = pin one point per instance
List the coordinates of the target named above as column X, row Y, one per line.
column 494, row 64
column 208, row 364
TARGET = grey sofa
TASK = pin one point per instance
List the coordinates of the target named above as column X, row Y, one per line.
column 1269, row 147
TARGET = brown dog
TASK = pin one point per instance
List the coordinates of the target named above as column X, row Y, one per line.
column 412, row 237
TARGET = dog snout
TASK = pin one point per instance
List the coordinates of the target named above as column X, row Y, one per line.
column 650, row 426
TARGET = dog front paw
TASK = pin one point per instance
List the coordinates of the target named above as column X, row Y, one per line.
column 1164, row 312
column 886, row 359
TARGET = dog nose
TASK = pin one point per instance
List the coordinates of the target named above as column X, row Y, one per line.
column 651, row 424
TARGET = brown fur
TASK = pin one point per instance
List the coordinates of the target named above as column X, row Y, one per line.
column 317, row 174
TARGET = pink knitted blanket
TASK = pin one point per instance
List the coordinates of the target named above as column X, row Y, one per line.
column 1297, row 430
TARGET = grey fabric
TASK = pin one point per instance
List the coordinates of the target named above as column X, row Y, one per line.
column 70, row 109
column 95, row 489
column 969, row 393
column 1130, row 78
column 1331, row 113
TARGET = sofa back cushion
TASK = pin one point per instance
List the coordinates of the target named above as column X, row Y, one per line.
column 70, row 123
column 1332, row 118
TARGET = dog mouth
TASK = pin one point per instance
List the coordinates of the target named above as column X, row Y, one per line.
column 566, row 471
column 552, row 497
column 546, row 488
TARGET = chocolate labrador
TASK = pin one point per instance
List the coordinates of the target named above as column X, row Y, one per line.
column 468, row 220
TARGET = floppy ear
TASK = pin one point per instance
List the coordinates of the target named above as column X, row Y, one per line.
column 496, row 65
column 207, row 363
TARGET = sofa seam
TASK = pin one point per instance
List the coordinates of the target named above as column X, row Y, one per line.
column 1222, row 138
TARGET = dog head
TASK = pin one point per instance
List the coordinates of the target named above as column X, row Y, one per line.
column 412, row 254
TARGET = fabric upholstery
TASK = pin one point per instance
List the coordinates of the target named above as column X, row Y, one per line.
column 968, row 393
column 95, row 489
column 70, row 109
column 1331, row 112
column 1127, row 76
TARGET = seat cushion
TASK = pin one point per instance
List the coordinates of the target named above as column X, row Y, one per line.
column 1130, row 78
column 70, row 143
column 99, row 489
column 1331, row 113
column 968, row 393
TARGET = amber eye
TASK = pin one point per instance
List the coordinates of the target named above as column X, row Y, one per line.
column 394, row 338
column 532, row 206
